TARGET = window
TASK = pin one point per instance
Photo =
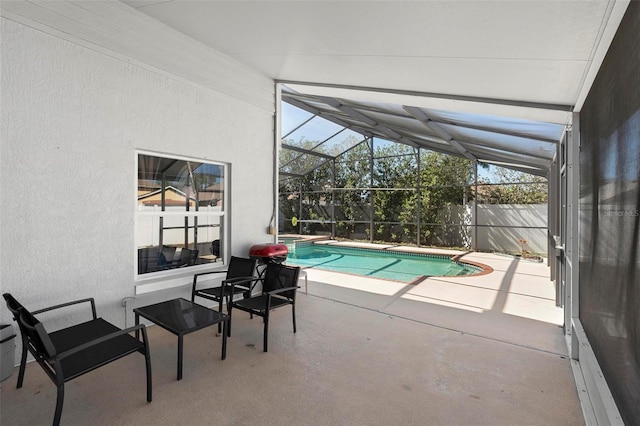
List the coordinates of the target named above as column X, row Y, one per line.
column 180, row 218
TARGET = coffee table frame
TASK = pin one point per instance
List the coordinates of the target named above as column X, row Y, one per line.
column 172, row 315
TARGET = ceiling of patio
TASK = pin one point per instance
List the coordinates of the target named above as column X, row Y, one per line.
column 494, row 81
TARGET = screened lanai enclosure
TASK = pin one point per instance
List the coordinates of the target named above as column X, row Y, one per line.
column 389, row 173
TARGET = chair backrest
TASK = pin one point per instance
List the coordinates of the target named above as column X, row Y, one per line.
column 33, row 332
column 215, row 248
column 188, row 256
column 16, row 308
column 166, row 255
column 279, row 276
column 37, row 335
column 241, row 267
column 13, row 305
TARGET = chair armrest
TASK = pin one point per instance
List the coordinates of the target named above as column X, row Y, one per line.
column 207, row 273
column 103, row 339
column 241, row 281
column 282, row 290
column 63, row 305
column 238, row 279
column 276, row 294
column 195, row 278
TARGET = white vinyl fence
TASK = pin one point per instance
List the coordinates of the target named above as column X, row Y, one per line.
column 512, row 227
column 506, row 228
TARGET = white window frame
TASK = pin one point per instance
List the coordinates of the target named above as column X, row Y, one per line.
column 170, row 278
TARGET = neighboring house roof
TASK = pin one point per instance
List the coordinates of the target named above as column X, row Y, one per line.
column 212, row 195
column 173, row 197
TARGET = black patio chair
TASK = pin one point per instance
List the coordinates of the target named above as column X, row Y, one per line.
column 279, row 286
column 215, row 248
column 166, row 257
column 188, row 257
column 240, row 269
column 73, row 351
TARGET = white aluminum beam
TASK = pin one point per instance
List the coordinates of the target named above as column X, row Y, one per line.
column 424, row 119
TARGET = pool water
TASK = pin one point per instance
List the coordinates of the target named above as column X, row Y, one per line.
column 385, row 264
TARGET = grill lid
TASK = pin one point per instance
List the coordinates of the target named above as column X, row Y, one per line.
column 268, row 250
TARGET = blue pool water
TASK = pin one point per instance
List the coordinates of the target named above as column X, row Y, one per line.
column 405, row 267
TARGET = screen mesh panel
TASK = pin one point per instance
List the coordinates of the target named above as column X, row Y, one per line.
column 609, row 216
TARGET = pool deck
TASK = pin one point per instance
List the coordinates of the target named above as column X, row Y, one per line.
column 478, row 350
column 480, row 304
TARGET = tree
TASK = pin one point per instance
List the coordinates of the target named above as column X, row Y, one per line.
column 443, row 179
column 395, row 181
column 359, row 186
column 301, row 174
column 352, row 198
column 318, row 175
column 515, row 187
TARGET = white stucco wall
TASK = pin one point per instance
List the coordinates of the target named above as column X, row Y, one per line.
column 73, row 115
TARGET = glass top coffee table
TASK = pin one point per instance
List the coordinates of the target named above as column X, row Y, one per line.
column 180, row 317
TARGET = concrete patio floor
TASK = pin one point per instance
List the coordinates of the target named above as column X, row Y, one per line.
column 484, row 350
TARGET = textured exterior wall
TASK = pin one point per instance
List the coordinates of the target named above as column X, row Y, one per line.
column 72, row 118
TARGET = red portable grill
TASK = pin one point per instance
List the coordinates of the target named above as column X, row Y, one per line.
column 269, row 253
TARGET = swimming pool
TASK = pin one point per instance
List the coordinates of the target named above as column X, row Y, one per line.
column 386, row 264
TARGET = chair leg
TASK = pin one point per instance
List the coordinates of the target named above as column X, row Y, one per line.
column 59, row 402
column 293, row 312
column 224, row 339
column 246, row 295
column 220, row 310
column 229, row 322
column 147, row 360
column 266, row 331
column 23, row 364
